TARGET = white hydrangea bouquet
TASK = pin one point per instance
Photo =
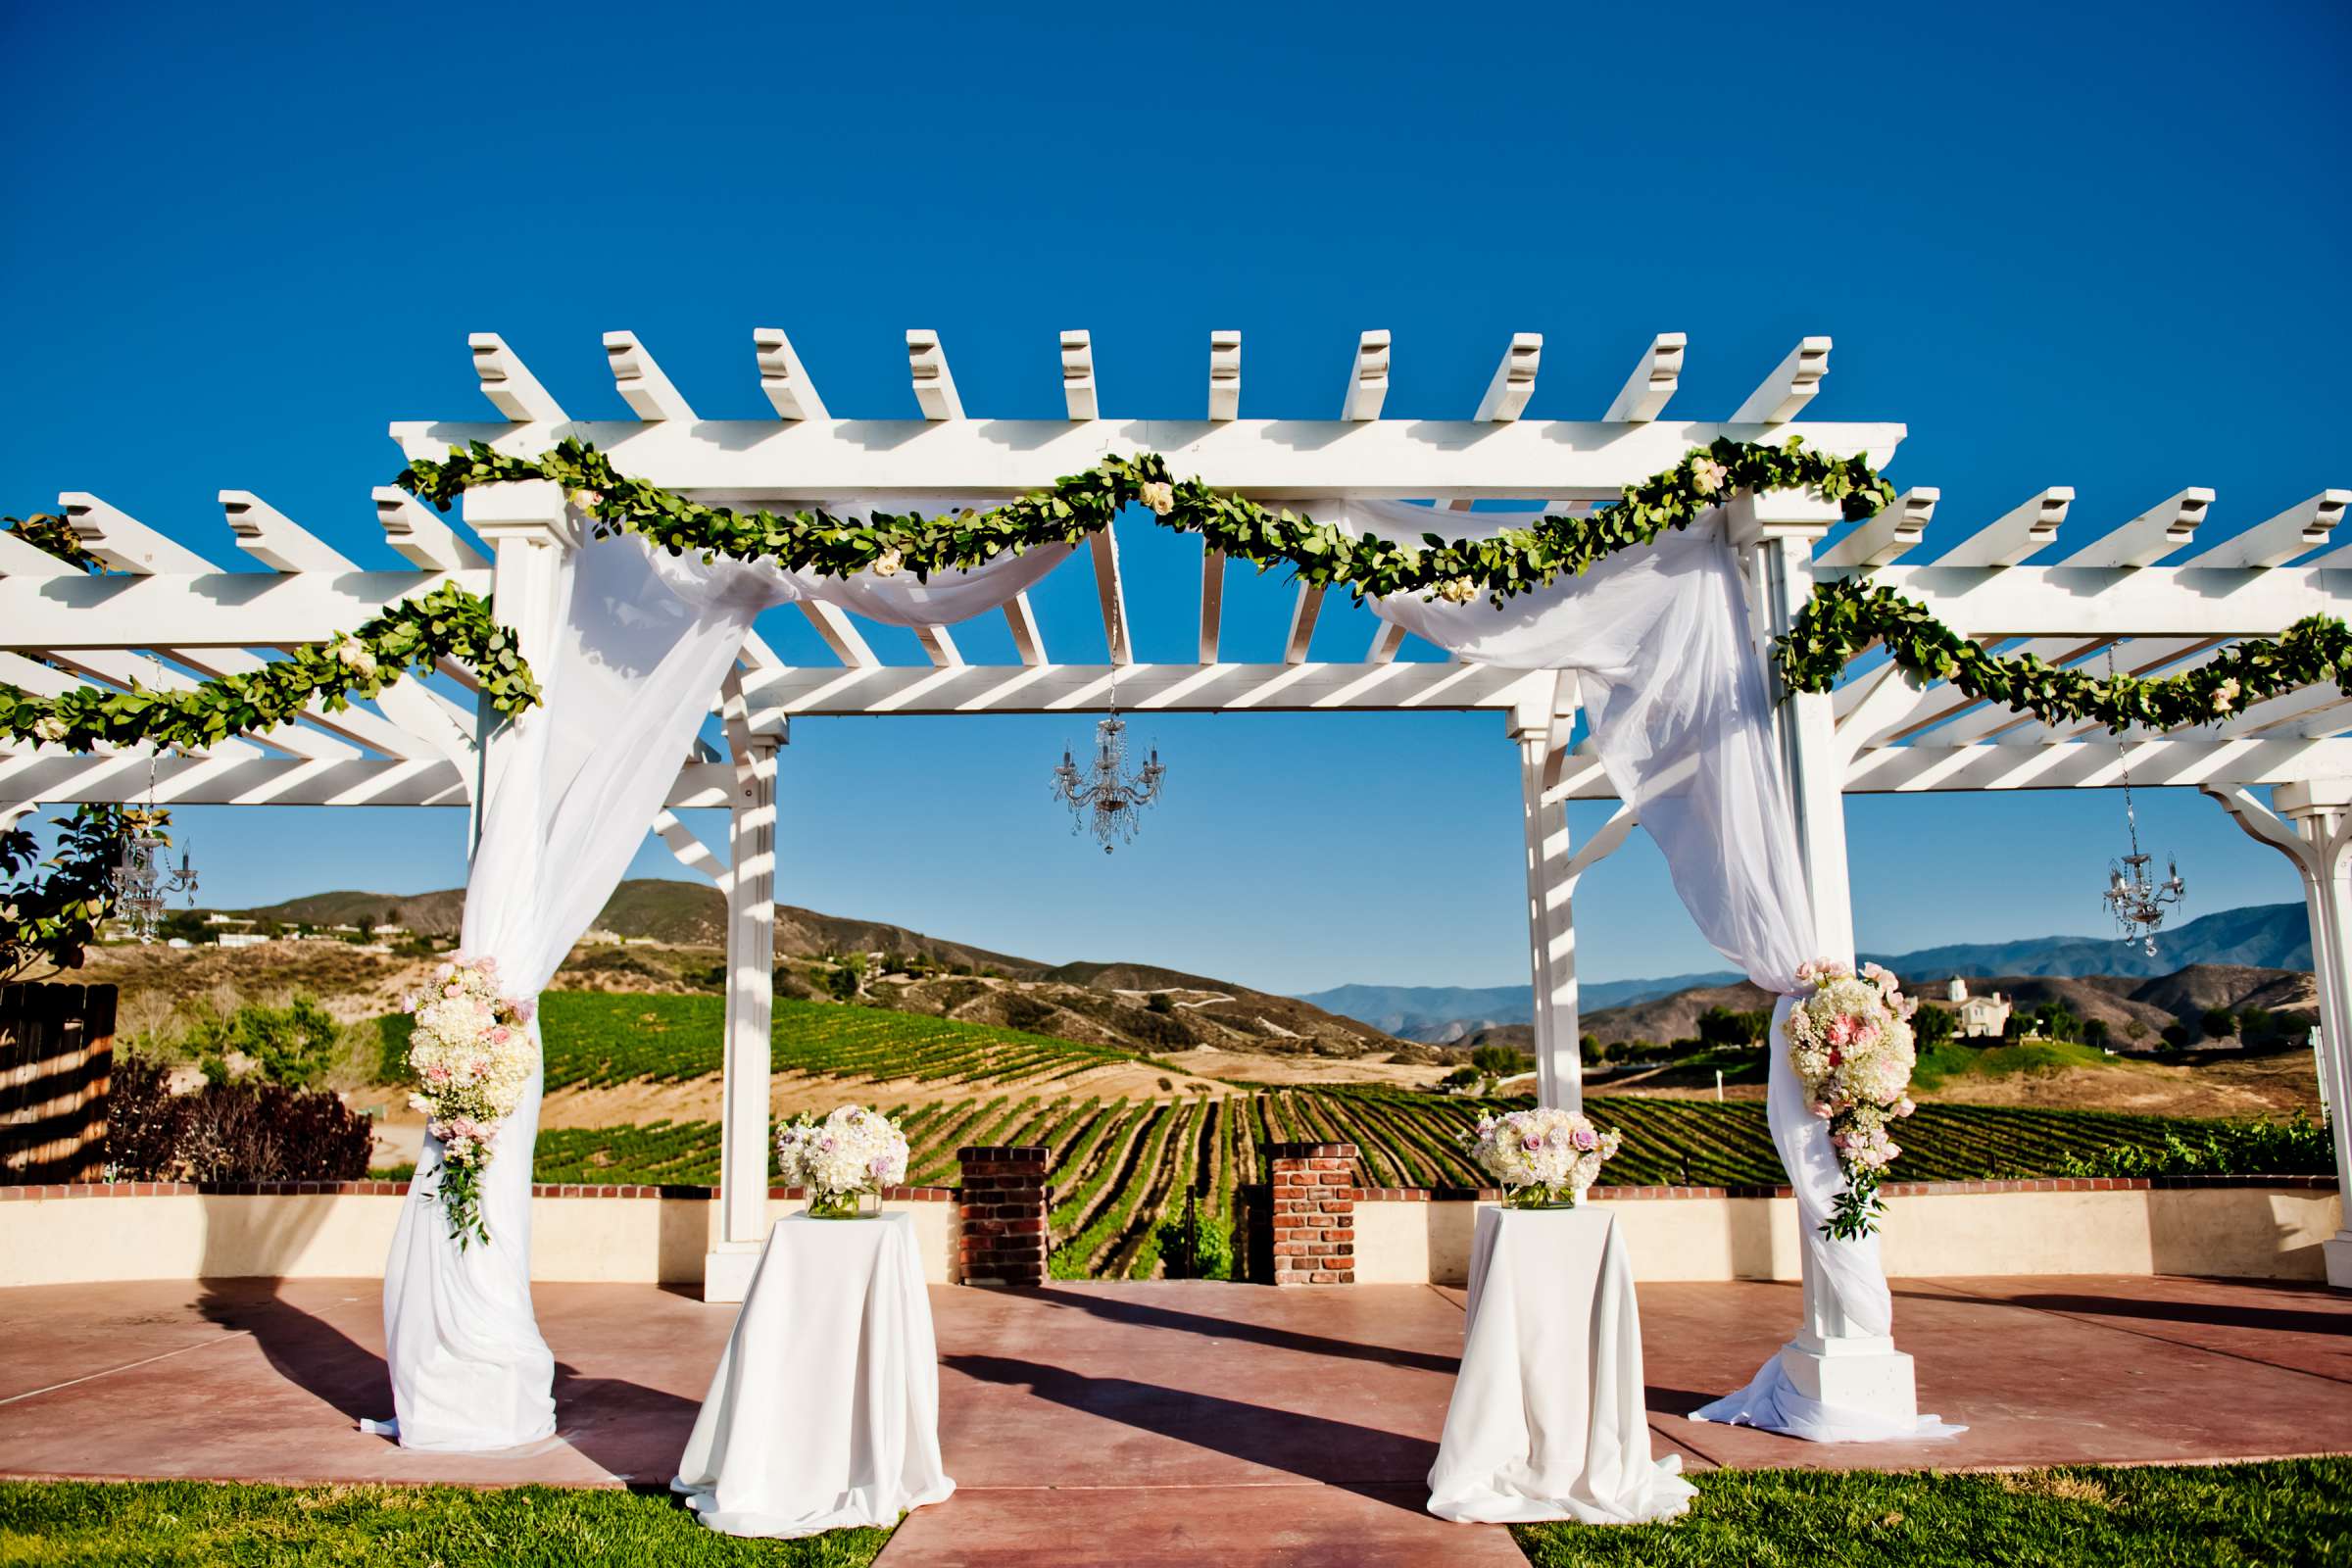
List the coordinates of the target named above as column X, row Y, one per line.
column 841, row 1161
column 1546, row 1157
column 473, row 1055
column 1851, row 1043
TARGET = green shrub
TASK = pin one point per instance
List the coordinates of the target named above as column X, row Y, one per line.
column 293, row 1044
column 2258, row 1147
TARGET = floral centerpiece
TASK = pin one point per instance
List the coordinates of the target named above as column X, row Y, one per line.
column 473, row 1055
column 841, row 1161
column 1852, row 1046
column 1546, row 1157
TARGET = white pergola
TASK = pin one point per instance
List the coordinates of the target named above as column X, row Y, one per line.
column 1876, row 733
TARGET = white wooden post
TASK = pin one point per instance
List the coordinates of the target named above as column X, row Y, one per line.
column 529, row 530
column 2311, row 824
column 751, row 1015
column 1776, row 533
column 1550, row 924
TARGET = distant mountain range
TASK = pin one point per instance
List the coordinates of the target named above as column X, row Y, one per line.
column 2262, row 936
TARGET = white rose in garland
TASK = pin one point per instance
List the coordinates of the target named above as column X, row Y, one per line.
column 1850, row 1044
column 841, row 1161
column 1546, row 1157
column 472, row 1052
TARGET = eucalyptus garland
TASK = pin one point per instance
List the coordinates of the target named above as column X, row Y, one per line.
column 1845, row 617
column 412, row 635
column 1321, row 553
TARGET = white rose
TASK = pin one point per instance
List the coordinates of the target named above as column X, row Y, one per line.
column 587, row 500
column 1457, row 590
column 1707, row 475
column 2225, row 696
column 356, row 656
column 1158, row 495
column 50, row 727
column 888, row 562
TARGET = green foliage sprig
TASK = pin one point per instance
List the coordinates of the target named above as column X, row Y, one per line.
column 1321, row 553
column 50, row 910
column 1845, row 617
column 412, row 635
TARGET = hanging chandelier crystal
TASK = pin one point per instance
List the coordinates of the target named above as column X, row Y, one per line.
column 143, row 874
column 2133, row 896
column 1106, row 795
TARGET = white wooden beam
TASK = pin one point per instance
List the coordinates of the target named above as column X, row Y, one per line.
column 1514, row 380
column 2302, row 527
column 1078, row 375
column 1028, row 638
column 124, row 543
column 1224, row 376
column 1272, row 459
column 1646, row 391
column 53, row 776
column 31, row 563
column 2083, row 765
column 1212, row 601
column 1168, row 688
column 1791, row 385
column 1367, row 378
column 2149, row 601
column 690, row 852
column 642, row 383
column 1303, row 611
column 219, row 608
column 2014, row 534
column 939, row 647
column 508, row 383
column 934, row 382
column 1881, row 539
column 839, row 633
column 277, row 540
column 1387, row 638
column 781, row 377
column 1105, row 544
column 2148, row 538
column 417, row 532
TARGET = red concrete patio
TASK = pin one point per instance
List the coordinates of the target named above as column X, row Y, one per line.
column 1200, row 1422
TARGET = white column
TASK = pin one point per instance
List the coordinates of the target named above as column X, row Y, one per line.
column 529, row 530
column 1776, row 533
column 1550, row 924
column 2311, row 824
column 751, row 1014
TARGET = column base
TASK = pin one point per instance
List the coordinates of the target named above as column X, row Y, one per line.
column 1867, row 1376
column 2339, row 1251
column 727, row 1270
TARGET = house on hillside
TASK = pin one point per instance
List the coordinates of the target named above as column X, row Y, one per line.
column 1980, row 1017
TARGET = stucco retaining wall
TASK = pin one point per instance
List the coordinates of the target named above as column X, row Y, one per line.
column 2222, row 1227
column 167, row 1230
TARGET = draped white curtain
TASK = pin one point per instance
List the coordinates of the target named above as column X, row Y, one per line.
column 1675, row 693
column 638, row 652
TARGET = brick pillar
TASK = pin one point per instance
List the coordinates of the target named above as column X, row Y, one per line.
column 1003, row 1202
column 1313, row 1215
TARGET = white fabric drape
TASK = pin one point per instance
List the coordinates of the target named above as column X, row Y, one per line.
column 1549, row 1416
column 1675, row 693
column 637, row 655
column 824, row 1412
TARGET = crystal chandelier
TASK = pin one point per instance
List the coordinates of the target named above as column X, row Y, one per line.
column 143, row 874
column 1106, row 795
column 2133, row 896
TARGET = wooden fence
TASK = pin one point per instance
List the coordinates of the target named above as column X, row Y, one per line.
column 57, row 1055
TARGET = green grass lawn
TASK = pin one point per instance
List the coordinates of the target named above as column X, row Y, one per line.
column 188, row 1524
column 2297, row 1511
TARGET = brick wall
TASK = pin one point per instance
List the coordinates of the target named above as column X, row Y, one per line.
column 1003, row 1215
column 1311, row 1220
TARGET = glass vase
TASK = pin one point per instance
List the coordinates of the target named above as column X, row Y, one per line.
column 847, row 1205
column 1537, row 1195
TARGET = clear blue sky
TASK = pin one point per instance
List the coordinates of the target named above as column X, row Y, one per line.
column 2103, row 248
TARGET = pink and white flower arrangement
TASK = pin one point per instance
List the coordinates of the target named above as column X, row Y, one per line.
column 839, row 1161
column 474, row 1053
column 1545, row 1156
column 1852, row 1046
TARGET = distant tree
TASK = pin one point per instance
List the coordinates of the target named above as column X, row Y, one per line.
column 1160, row 1001
column 2095, row 1032
column 1592, row 1052
column 2014, row 1027
column 1932, row 1026
column 2257, row 1024
column 2136, row 1031
column 2055, row 1020
column 1728, row 1026
column 1498, row 1059
column 2219, row 1023
column 2175, row 1034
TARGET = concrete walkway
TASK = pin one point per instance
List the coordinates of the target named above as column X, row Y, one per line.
column 1170, row 1422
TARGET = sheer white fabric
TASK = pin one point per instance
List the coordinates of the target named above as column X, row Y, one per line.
column 643, row 642
column 1675, row 693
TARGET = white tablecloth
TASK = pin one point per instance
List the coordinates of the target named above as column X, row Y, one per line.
column 824, row 1412
column 1547, row 1419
